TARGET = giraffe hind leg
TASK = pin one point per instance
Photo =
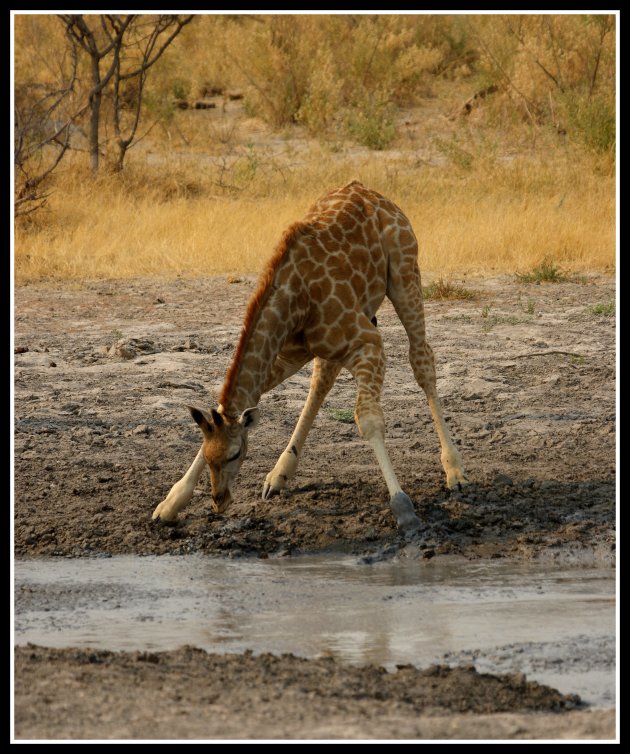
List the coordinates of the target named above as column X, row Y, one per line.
column 367, row 365
column 405, row 293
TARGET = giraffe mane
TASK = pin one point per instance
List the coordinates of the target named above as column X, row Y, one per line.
column 257, row 302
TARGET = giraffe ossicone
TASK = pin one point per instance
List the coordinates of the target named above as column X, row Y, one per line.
column 317, row 301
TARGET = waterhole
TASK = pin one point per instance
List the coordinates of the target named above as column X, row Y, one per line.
column 556, row 625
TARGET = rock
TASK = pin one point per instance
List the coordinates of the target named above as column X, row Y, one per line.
column 503, row 479
column 478, row 388
column 122, row 350
column 129, row 348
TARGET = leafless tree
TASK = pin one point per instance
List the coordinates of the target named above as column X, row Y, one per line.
column 43, row 127
column 120, row 50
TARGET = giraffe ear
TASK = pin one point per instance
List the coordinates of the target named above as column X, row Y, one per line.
column 249, row 418
column 207, row 423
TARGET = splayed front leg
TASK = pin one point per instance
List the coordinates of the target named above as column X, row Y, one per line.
column 323, row 378
column 181, row 492
column 284, row 470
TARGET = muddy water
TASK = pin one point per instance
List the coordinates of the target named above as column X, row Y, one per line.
column 557, row 626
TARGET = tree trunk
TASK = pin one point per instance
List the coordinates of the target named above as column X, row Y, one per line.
column 95, row 114
column 122, row 151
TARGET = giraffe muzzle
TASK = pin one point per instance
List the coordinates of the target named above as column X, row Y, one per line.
column 221, row 501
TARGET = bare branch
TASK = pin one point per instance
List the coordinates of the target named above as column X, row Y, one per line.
column 149, row 61
column 508, row 80
column 35, row 130
column 151, row 53
column 605, row 27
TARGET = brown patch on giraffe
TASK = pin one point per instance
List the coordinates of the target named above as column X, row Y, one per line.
column 358, row 258
column 320, row 291
column 332, row 309
column 384, row 219
column 327, row 239
column 282, row 299
column 336, row 232
column 345, row 294
column 406, row 238
column 359, row 284
column 347, row 221
column 348, row 323
column 356, row 236
column 367, row 207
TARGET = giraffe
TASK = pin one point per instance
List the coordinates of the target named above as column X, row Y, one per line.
column 316, row 301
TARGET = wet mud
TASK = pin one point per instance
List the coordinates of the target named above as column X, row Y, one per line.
column 103, row 371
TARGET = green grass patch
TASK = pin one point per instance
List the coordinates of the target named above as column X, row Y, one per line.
column 607, row 309
column 458, row 317
column 530, row 308
column 495, row 319
column 577, row 358
column 446, row 290
column 343, row 415
column 546, row 272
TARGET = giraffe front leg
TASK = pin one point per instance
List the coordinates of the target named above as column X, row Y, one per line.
column 323, row 378
column 284, row 470
column 181, row 492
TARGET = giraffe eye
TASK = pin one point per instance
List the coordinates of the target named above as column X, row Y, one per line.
column 234, row 457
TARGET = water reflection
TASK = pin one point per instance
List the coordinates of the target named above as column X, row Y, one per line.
column 385, row 614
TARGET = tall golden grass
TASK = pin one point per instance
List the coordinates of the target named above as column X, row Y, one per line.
column 527, row 176
column 496, row 217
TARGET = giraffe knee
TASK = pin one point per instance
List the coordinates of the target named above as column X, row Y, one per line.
column 423, row 366
column 370, row 424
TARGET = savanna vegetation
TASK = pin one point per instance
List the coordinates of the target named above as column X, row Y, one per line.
column 163, row 145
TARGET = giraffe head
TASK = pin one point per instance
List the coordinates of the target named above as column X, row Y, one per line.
column 224, row 448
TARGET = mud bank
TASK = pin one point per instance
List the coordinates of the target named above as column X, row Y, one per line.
column 527, row 375
column 102, row 373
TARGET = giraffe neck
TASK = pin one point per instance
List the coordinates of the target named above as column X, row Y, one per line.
column 260, row 343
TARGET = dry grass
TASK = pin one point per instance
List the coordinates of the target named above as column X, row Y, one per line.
column 446, row 290
column 506, row 217
column 527, row 178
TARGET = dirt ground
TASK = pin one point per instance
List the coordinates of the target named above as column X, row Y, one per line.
column 188, row 694
column 103, row 371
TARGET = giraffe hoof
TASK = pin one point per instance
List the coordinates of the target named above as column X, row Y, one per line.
column 164, row 514
column 457, row 482
column 402, row 508
column 269, row 491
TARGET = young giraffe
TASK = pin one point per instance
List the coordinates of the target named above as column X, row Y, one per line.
column 317, row 300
